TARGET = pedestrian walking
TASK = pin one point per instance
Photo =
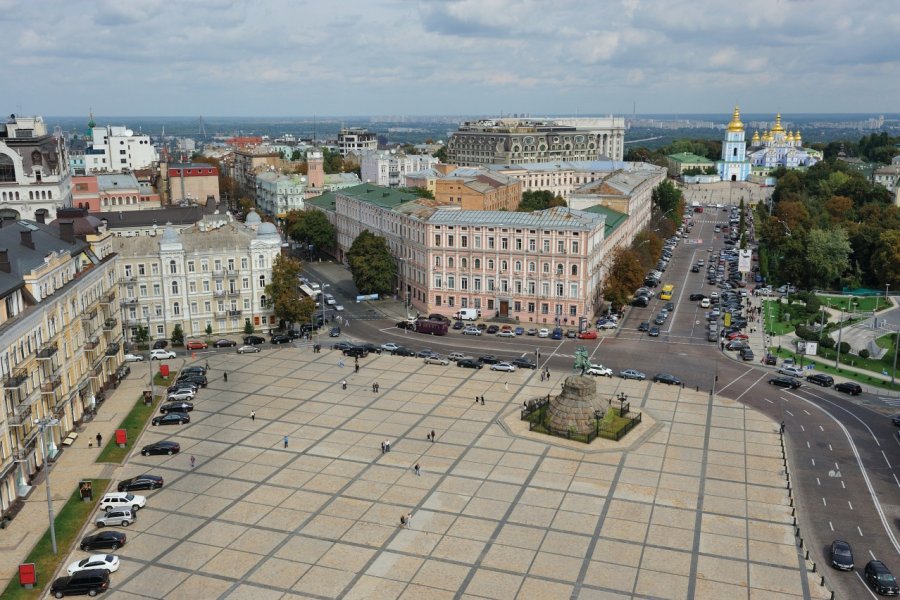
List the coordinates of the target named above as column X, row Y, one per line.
column 782, row 427
column 409, row 519
column 428, row 436
column 193, row 461
column 285, row 441
column 344, row 384
column 382, row 446
column 506, row 386
column 482, row 400
column 206, row 365
column 542, row 376
column 402, row 521
column 225, row 377
column 99, row 440
column 356, row 368
column 341, row 363
column 377, row 387
column 432, row 436
column 416, row 468
column 476, row 399
column 387, row 445
column 252, row 415
column 373, row 388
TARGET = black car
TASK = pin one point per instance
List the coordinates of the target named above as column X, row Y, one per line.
column 403, row 351
column 653, row 331
column 370, row 347
column 194, row 369
column 160, row 344
column 488, row 359
column 695, row 269
column 468, row 363
column 342, row 346
column 356, row 352
column 254, row 340
column 176, row 406
column 670, row 306
column 640, row 302
column 104, row 540
column 156, row 448
column 406, row 325
column 895, row 419
column 841, row 555
column 785, row 382
column 425, row 353
column 194, row 378
column 746, row 354
column 666, row 378
column 281, row 338
column 172, row 418
column 141, row 482
column 458, row 325
column 644, row 326
column 334, row 332
column 848, row 387
column 492, row 329
column 821, row 379
column 89, row 581
column 223, row 343
column 880, row 578
column 524, row 362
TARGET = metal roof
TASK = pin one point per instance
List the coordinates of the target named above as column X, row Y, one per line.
column 557, row 217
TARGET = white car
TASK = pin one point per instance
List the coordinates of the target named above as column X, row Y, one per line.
column 544, row 332
column 247, row 349
column 185, row 394
column 329, row 300
column 390, row 347
column 506, row 333
column 133, row 357
column 110, row 562
column 503, row 366
column 599, row 371
column 607, row 325
column 338, row 307
column 437, row 360
column 704, row 303
column 792, row 371
column 122, row 500
column 161, row 354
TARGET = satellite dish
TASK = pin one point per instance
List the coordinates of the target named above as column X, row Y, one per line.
column 303, row 179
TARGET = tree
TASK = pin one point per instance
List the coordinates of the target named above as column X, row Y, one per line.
column 310, row 227
column 371, row 264
column 248, row 327
column 141, row 335
column 539, row 200
column 177, row 335
column 827, row 256
column 419, row 191
column 625, row 275
column 441, row 154
column 209, row 329
column 886, row 259
column 669, row 201
column 296, row 155
column 282, row 292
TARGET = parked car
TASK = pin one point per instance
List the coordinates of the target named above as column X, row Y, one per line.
column 403, row 351
column 666, row 378
column 172, row 418
column 247, row 349
column 356, row 352
column 103, row 540
column 341, row 346
column 470, row 330
column 492, row 329
column 120, row 516
column 746, row 354
column 254, row 340
column 370, row 348
column 848, row 387
column 791, row 371
column 543, row 332
column 571, row 333
column 193, row 378
column 507, row 333
column 880, row 579
column 195, row 345
column 654, row 331
column 770, row 360
column 841, row 555
column 488, row 359
column 821, row 379
column 737, row 345
column 161, row 354
column 455, row 356
column 436, row 359
column 589, row 335
column 644, row 326
column 133, row 357
column 532, row 331
column 468, row 363
column 632, row 374
column 523, row 362
column 164, row 447
column 281, row 338
column 110, row 562
column 181, row 394
column 557, row 334
column 90, row 582
column 117, row 500
column 599, row 371
column 160, row 344
column 785, row 382
column 223, row 343
column 519, row 330
column 177, row 406
column 141, row 482
column 390, row 346
column 459, row 325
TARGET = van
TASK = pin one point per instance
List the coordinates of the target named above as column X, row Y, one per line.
column 468, row 314
column 89, row 581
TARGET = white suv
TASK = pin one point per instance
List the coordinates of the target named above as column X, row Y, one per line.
column 599, row 371
column 121, row 516
column 160, row 354
column 792, row 371
column 119, row 500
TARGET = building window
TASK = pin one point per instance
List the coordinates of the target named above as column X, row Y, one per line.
column 478, row 241
column 575, row 247
column 449, row 240
column 437, row 300
column 204, row 266
column 437, row 239
column 574, row 269
column 450, row 262
column 244, row 263
column 573, row 290
column 438, row 281
column 560, row 246
column 477, row 284
column 174, row 287
column 190, row 266
column 518, row 266
column 451, row 282
column 173, row 267
column 546, row 268
column 504, row 243
column 546, row 245
column 176, row 309
column 573, row 310
column 451, row 301
column 517, row 306
column 464, row 241
column 141, row 269
column 490, row 243
column 518, row 243
column 464, row 283
column 532, row 245
column 437, row 261
column 262, row 281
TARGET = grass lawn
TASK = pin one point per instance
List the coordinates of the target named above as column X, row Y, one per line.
column 866, row 303
column 133, row 423
column 773, row 327
column 824, row 362
column 69, row 522
column 885, row 341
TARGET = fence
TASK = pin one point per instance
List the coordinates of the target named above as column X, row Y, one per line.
column 535, row 412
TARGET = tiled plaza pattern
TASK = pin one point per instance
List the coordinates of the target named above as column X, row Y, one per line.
column 697, row 510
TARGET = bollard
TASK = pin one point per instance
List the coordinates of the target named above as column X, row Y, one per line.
column 814, row 568
column 793, row 514
column 807, row 556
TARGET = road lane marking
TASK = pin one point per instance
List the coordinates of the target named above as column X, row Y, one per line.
column 860, row 531
column 864, row 424
column 823, row 501
column 842, row 484
column 818, row 482
column 872, row 554
column 895, row 479
column 830, row 525
column 802, row 428
column 789, row 412
column 769, row 401
column 851, row 504
column 813, row 461
column 884, row 522
column 886, row 460
column 807, row 445
column 830, row 449
column 822, row 429
column 865, row 585
column 735, row 380
column 807, row 412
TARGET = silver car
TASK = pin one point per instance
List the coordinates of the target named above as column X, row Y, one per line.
column 119, row 516
column 247, row 349
column 182, row 394
column 437, row 360
column 503, row 366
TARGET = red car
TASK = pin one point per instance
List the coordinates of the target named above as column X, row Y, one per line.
column 587, row 335
column 737, row 335
column 195, row 345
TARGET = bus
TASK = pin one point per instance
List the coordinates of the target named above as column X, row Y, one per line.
column 311, row 292
column 667, row 291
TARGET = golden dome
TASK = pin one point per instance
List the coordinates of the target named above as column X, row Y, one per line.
column 778, row 128
column 736, row 124
column 797, row 137
column 790, row 136
column 756, row 137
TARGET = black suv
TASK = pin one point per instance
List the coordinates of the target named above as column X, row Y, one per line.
column 402, row 351
column 785, row 382
column 104, row 540
column 281, row 338
column 194, row 378
column 848, row 387
column 89, row 581
column 356, row 352
column 879, row 577
column 821, row 379
column 524, row 362
column 254, row 340
column 468, row 363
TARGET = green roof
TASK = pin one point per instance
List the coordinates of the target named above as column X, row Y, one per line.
column 324, row 201
column 613, row 217
column 690, row 158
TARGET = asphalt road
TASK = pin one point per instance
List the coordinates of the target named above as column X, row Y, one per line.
column 842, row 451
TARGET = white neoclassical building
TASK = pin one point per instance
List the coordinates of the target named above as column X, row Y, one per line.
column 213, row 273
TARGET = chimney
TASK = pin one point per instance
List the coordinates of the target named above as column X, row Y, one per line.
column 26, row 239
column 41, row 217
column 67, row 231
column 4, row 261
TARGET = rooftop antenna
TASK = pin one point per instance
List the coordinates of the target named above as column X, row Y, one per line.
column 202, row 130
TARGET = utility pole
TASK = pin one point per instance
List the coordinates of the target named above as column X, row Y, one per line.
column 42, row 424
column 837, row 358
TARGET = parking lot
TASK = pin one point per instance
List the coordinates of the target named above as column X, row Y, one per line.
column 696, row 508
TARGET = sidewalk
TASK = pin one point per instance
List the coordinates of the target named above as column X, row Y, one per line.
column 72, row 465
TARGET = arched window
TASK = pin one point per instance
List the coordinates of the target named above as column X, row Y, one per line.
column 262, row 301
column 262, row 281
column 574, row 269
column 173, row 266
column 518, row 265
column 174, row 287
column 477, row 263
column 36, row 159
column 261, row 261
column 7, row 168
column 449, row 262
column 176, row 309
column 559, row 268
column 504, row 265
column 490, row 264
column 531, row 267
column 463, row 263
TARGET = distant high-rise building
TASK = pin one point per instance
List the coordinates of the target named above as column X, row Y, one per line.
column 519, row 141
column 115, row 148
column 356, row 140
column 389, row 168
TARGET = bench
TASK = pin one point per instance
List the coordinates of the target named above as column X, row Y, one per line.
column 70, row 439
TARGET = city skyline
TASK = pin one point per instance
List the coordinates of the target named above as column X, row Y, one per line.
column 461, row 57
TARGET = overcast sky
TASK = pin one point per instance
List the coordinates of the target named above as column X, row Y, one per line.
column 475, row 57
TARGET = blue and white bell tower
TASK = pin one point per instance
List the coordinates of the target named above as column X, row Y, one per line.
column 734, row 165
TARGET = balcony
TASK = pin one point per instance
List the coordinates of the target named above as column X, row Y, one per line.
column 51, row 385
column 108, row 299
column 128, row 279
column 19, row 415
column 96, row 372
column 89, row 316
column 92, row 343
column 219, row 273
column 129, row 301
column 234, row 292
column 219, row 293
column 234, row 313
column 110, row 324
column 112, row 349
column 231, row 272
column 48, row 351
column 133, row 322
column 16, row 380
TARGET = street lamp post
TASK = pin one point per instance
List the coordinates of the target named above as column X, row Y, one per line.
column 837, row 358
column 42, row 425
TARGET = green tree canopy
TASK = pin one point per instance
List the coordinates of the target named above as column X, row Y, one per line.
column 539, row 200
column 625, row 275
column 282, row 292
column 827, row 256
column 310, row 227
column 441, row 154
column 177, row 335
column 371, row 264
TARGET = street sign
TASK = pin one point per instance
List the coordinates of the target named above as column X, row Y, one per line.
column 744, row 260
column 367, row 297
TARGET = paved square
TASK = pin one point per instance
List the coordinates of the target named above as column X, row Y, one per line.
column 695, row 508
